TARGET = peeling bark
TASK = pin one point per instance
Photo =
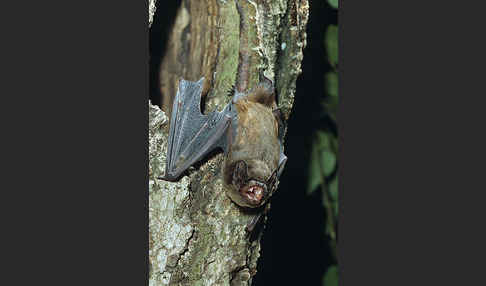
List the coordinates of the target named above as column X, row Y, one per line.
column 197, row 234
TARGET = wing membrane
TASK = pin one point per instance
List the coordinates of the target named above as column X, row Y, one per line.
column 192, row 134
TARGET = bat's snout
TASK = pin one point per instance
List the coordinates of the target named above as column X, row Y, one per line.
column 254, row 193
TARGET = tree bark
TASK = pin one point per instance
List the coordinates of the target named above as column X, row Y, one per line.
column 197, row 234
column 151, row 6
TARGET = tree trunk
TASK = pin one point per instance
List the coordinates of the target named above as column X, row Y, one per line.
column 197, row 234
column 151, row 6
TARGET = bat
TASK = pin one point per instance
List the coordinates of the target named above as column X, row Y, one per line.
column 249, row 130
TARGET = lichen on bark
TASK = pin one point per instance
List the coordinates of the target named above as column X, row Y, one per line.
column 197, row 234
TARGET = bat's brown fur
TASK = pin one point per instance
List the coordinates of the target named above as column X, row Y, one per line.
column 256, row 144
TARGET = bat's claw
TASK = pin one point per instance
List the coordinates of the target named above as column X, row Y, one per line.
column 253, row 222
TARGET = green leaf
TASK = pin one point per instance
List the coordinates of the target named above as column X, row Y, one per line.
column 322, row 161
column 323, row 140
column 331, row 206
column 334, row 145
column 331, row 100
column 329, row 227
column 331, row 276
column 333, row 3
column 315, row 176
column 330, row 104
column 333, row 189
column 331, row 42
column 332, row 83
column 324, row 153
column 328, row 162
column 336, row 209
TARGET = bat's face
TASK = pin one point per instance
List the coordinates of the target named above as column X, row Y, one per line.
column 253, row 159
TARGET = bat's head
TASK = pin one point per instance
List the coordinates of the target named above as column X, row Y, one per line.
column 252, row 182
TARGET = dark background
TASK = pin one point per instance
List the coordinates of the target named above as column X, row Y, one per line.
column 294, row 241
column 75, row 129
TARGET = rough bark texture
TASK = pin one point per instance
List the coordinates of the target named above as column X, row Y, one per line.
column 151, row 5
column 197, row 235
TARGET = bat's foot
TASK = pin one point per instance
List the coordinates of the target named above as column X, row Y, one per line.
column 253, row 222
column 250, row 227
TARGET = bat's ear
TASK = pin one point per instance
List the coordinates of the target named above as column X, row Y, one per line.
column 240, row 173
column 264, row 92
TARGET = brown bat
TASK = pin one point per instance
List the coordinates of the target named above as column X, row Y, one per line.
column 249, row 130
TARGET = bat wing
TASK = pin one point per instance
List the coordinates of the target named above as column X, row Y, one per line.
column 193, row 135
